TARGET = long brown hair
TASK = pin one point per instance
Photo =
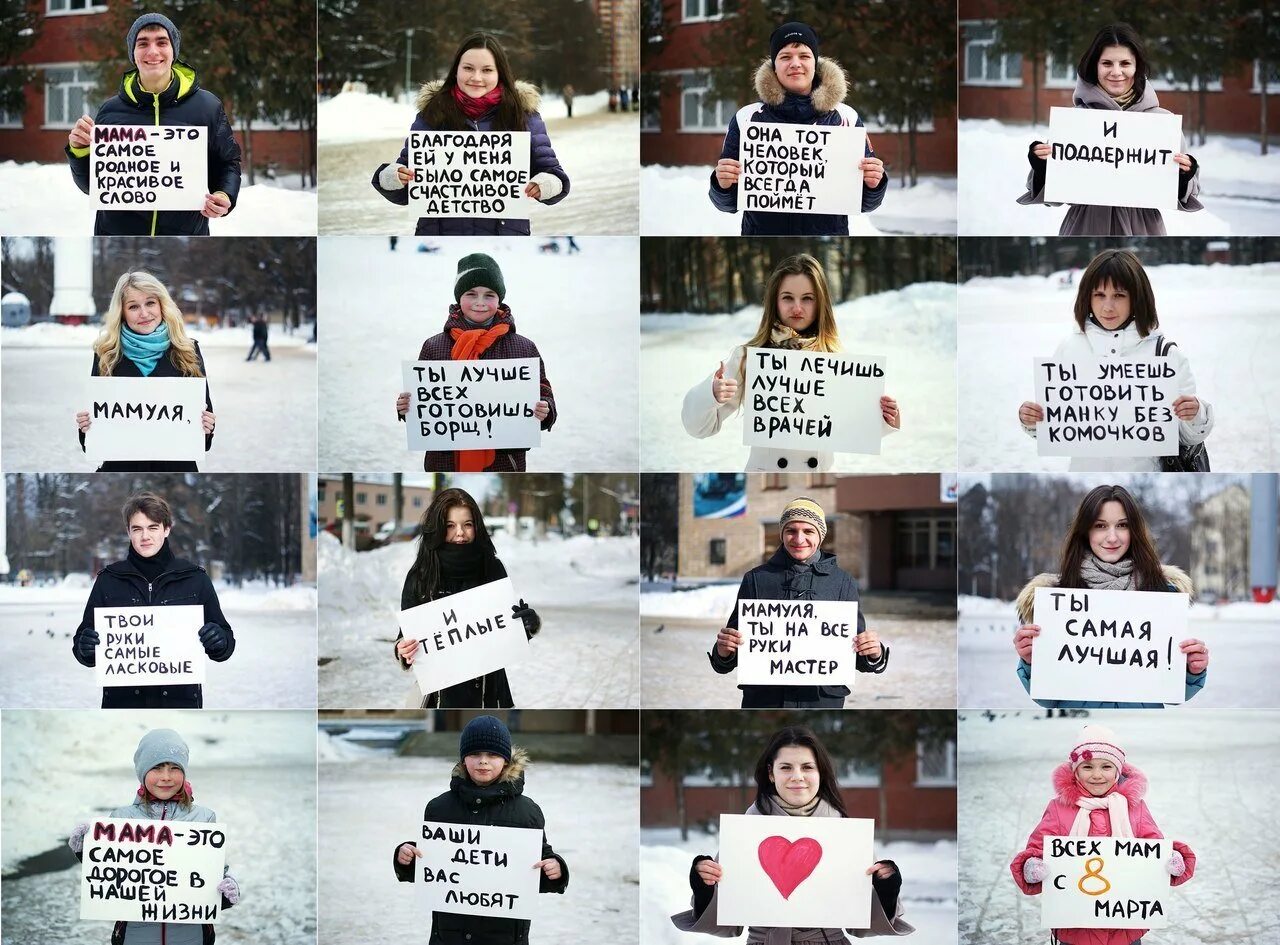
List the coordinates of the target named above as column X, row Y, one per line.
column 1147, row 572
column 182, row 350
column 1116, row 34
column 425, row 574
column 824, row 325
column 799, row 736
column 442, row 112
column 1123, row 270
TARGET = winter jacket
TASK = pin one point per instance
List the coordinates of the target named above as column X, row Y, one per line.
column 1058, row 817
column 702, row 417
column 544, row 169
column 824, row 105
column 1178, row 580
column 500, row 804
column 182, row 103
column 122, row 585
column 1097, row 343
column 777, row 579
column 510, row 345
column 1093, row 220
column 165, row 367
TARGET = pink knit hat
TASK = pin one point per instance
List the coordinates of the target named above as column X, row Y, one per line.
column 1097, row 742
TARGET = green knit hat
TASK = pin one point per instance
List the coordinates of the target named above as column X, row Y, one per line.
column 478, row 269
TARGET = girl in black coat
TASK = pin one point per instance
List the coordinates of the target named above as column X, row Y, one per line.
column 455, row 553
column 487, row 787
column 143, row 336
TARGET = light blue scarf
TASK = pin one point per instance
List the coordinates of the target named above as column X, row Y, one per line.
column 145, row 350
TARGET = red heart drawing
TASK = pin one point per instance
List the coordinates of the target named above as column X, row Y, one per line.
column 789, row 863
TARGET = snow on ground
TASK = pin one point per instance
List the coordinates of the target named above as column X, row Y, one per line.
column 674, row 202
column 273, row 665
column 580, row 310
column 584, row 589
column 913, row 327
column 266, row 410
column 369, row 805
column 42, row 200
column 1005, row 323
column 928, row 884
column 1213, row 776
column 1240, row 188
column 256, row 771
column 1243, row 660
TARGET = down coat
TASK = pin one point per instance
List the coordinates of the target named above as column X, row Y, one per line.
column 824, row 105
column 543, row 164
column 1058, row 817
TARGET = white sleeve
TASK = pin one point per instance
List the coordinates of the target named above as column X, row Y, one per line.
column 701, row 415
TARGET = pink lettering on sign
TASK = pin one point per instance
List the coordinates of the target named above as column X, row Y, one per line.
column 789, row 863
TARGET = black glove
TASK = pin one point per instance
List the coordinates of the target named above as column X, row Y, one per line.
column 213, row 637
column 1038, row 166
column 1184, row 177
column 528, row 616
column 887, row 889
column 86, row 645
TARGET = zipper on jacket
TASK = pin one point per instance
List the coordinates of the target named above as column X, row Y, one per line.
column 149, row 583
column 155, row 213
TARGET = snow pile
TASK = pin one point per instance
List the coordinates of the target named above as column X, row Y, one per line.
column 259, row 596
column 333, row 748
column 713, row 602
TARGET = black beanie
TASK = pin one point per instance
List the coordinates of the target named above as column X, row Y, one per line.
column 485, row 733
column 789, row 33
column 478, row 269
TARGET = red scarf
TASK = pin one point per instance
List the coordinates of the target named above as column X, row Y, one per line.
column 468, row 345
column 473, row 108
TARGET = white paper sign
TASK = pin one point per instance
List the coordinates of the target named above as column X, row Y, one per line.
column 469, row 174
column 795, row 872
column 479, row 870
column 149, row 167
column 464, row 635
column 801, row 168
column 473, row 405
column 1105, row 883
column 149, row 646
column 145, row 418
column 797, row 642
column 1107, row 407
column 152, row 871
column 1113, row 158
column 1109, row 646
column 809, row 400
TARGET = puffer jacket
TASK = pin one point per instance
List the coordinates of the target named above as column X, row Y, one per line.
column 1058, row 817
column 1179, row 581
column 824, row 105
column 182, row 103
column 1097, row 343
column 542, row 160
column 1093, row 220
column 500, row 804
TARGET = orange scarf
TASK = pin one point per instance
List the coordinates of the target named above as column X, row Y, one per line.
column 468, row 345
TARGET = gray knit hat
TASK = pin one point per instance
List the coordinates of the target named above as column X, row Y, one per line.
column 478, row 269
column 152, row 19
column 158, row 746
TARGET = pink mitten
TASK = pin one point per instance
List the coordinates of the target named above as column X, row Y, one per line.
column 1034, row 870
column 1175, row 865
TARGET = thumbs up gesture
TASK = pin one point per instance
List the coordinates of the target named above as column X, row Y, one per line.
column 723, row 389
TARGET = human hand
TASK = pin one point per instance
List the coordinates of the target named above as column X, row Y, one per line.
column 872, row 172
column 230, row 889
column 208, row 421
column 727, row 172
column 880, row 870
column 889, row 411
column 407, row 649
column 215, row 639
column 1183, row 161
column 867, row 644
column 533, row 190
column 406, row 853
column 81, row 133
column 1041, row 150
column 541, row 410
column 216, row 205
column 709, row 872
column 405, row 175
column 76, row 840
column 723, row 389
column 1186, row 407
column 83, row 421
column 1197, row 655
column 1022, row 641
column 727, row 642
column 87, row 645
column 527, row 616
column 1175, row 865
column 1034, row 870
column 550, row 868
column 402, row 403
column 1030, row 413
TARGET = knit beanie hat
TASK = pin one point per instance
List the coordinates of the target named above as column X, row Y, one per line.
column 152, row 19
column 805, row 509
column 789, row 33
column 478, row 269
column 157, row 747
column 1097, row 742
column 485, row 733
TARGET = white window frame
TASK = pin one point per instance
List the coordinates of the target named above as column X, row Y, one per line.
column 692, row 81
column 1256, row 88
column 864, row 774
column 705, row 778
column 90, row 8
column 656, row 115
column 945, row 780
column 1007, row 83
column 702, row 17
column 86, row 83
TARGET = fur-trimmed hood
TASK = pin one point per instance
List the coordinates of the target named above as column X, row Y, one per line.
column 830, row 85
column 514, row 770
column 1175, row 576
column 530, row 95
column 1132, row 783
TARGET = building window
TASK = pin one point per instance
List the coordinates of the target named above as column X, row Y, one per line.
column 380, row 499
column 362, row 498
column 716, row 551
column 984, row 66
column 320, row 490
column 75, row 6
column 860, row 772
column 66, row 90
column 651, row 104
column 1273, row 78
column 702, row 10
column 698, row 111
column 925, row 540
column 417, row 501
column 821, row 480
column 775, row 481
column 936, row 766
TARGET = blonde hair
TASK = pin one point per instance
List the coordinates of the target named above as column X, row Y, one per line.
column 108, row 346
column 827, row 336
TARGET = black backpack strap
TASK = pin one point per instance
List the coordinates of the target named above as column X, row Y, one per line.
column 1163, row 345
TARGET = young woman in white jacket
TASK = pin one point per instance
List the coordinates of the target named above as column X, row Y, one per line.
column 797, row 315
column 1115, row 317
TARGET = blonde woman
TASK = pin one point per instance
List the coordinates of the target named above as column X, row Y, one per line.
column 797, row 315
column 143, row 336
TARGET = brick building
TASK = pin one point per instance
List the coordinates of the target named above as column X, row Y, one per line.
column 375, row 502
column 617, row 20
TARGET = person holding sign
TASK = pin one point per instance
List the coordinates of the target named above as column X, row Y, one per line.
column 1115, row 315
column 143, row 335
column 796, row 87
column 161, row 89
column 794, row 778
column 164, row 793
column 455, row 553
column 1113, row 75
column 797, row 315
column 480, row 327
column 479, row 93
column 487, row 787
column 1108, row 548
column 1097, row 793
column 799, row 570
column 152, row 575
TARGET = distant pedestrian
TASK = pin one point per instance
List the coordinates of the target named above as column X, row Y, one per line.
column 260, row 330
column 573, row 246
column 567, row 94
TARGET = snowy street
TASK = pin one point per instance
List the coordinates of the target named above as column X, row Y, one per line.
column 1212, row 778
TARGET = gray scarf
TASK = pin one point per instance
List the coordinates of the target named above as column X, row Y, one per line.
column 1102, row 576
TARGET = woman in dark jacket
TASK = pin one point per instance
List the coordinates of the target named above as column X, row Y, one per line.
column 455, row 553
column 143, row 336
column 799, row 570
column 161, row 90
column 486, row 788
column 479, row 93
column 797, row 88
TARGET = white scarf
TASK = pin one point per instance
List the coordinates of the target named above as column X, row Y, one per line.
column 1117, row 807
